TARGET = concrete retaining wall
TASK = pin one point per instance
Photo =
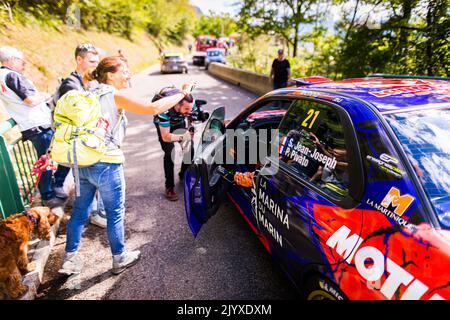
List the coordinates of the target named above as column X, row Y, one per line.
column 257, row 83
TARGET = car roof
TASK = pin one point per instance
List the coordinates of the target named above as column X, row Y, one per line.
column 387, row 94
column 173, row 54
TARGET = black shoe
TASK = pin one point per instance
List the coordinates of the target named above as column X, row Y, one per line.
column 54, row 202
column 60, row 193
column 181, row 175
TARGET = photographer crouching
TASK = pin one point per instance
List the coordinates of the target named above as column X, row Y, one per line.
column 173, row 126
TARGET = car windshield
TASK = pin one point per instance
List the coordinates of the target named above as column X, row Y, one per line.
column 425, row 136
column 214, row 53
column 173, row 58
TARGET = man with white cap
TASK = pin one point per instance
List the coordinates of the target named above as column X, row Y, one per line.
column 27, row 106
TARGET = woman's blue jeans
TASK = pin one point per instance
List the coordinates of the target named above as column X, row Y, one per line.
column 109, row 180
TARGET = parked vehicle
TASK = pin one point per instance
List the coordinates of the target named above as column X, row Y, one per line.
column 354, row 203
column 203, row 43
column 215, row 55
column 173, row 62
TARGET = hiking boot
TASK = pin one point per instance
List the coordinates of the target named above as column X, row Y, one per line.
column 72, row 264
column 125, row 260
column 98, row 218
column 60, row 193
column 54, row 202
column 171, row 194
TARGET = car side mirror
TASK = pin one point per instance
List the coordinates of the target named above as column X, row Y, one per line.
column 218, row 125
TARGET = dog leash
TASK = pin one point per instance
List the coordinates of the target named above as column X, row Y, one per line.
column 29, row 216
column 38, row 171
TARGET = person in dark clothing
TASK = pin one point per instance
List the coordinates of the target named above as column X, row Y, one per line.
column 167, row 123
column 87, row 58
column 27, row 106
column 280, row 73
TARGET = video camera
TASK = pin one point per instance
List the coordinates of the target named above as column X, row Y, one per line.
column 199, row 114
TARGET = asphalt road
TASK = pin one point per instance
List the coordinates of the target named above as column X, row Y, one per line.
column 225, row 261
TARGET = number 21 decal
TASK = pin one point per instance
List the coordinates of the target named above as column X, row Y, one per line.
column 311, row 114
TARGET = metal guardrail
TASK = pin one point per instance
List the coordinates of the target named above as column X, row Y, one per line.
column 16, row 162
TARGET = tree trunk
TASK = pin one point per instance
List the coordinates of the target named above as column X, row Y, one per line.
column 403, row 37
column 294, row 54
column 429, row 48
column 352, row 22
column 8, row 9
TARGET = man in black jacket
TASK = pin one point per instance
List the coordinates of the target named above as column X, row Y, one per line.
column 87, row 59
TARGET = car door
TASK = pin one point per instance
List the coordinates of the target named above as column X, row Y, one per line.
column 303, row 192
column 205, row 183
column 208, row 180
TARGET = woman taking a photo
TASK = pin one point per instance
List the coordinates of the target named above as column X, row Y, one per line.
column 112, row 74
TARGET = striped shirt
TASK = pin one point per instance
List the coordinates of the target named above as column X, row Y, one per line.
column 172, row 119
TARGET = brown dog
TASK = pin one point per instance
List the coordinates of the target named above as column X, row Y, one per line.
column 15, row 233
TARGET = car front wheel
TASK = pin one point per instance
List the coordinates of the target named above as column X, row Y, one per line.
column 320, row 288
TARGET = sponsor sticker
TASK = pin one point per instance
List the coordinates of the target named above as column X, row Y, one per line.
column 393, row 206
column 388, row 274
column 400, row 202
column 326, row 287
column 387, row 164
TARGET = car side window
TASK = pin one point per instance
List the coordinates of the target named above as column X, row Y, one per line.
column 268, row 115
column 313, row 146
column 381, row 162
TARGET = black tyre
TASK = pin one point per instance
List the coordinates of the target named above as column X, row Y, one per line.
column 320, row 288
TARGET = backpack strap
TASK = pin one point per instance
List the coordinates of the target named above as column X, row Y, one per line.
column 110, row 136
column 76, row 172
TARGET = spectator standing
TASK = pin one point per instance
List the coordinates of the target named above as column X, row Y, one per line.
column 107, row 175
column 280, row 72
column 28, row 107
column 87, row 58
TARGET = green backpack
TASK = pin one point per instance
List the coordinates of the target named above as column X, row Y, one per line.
column 80, row 130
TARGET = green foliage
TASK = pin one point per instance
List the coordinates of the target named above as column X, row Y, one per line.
column 169, row 20
column 252, row 54
column 177, row 33
column 321, row 59
column 280, row 17
column 413, row 39
column 403, row 37
column 217, row 25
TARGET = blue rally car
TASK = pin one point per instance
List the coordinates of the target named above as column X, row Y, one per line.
column 354, row 203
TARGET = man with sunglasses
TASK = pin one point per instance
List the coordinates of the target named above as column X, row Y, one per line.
column 28, row 107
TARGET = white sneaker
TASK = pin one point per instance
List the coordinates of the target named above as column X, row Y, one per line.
column 98, row 220
column 125, row 260
column 72, row 264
